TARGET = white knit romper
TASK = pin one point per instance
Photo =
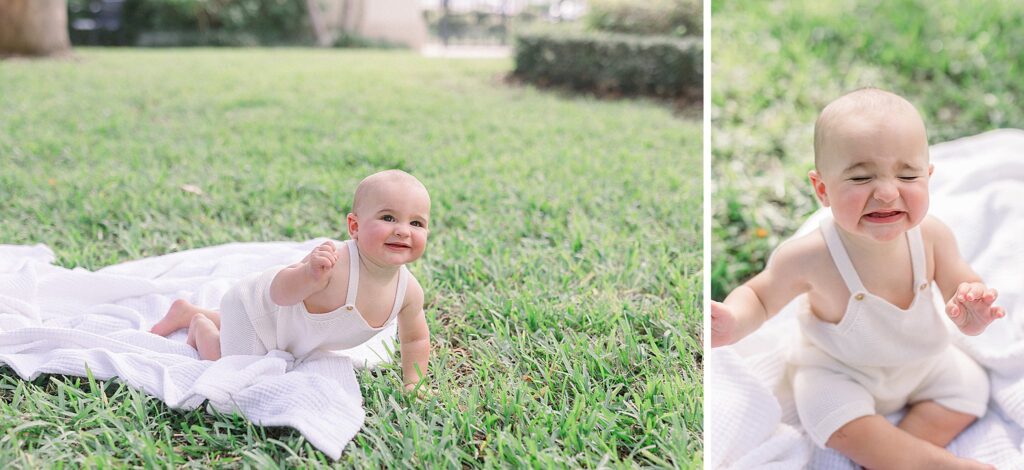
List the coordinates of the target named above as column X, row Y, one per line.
column 879, row 357
column 251, row 323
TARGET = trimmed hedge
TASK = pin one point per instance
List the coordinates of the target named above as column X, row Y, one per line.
column 611, row 63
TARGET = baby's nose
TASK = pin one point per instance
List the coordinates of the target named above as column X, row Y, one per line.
column 886, row 192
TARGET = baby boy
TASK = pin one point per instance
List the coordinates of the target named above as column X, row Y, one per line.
column 871, row 340
column 337, row 297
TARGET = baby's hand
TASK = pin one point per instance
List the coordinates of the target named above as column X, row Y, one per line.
column 723, row 325
column 321, row 261
column 971, row 307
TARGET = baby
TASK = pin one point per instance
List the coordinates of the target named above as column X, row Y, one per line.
column 872, row 341
column 337, row 297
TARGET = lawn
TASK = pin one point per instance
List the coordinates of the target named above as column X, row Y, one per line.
column 562, row 276
column 776, row 64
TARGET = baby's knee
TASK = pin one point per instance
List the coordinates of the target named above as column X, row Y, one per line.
column 960, row 421
column 206, row 337
column 200, row 323
column 940, row 416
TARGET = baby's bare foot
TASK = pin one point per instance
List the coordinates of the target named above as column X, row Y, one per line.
column 177, row 317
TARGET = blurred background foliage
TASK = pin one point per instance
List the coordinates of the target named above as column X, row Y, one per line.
column 479, row 25
column 777, row 63
column 202, row 22
column 287, row 22
column 660, row 17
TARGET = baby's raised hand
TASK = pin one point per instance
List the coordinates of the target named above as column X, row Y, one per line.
column 971, row 307
column 320, row 261
column 723, row 325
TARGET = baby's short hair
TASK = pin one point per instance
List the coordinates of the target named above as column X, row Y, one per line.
column 368, row 184
column 855, row 105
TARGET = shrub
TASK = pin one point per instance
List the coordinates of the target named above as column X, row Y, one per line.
column 209, row 22
column 355, row 41
column 611, row 63
column 658, row 17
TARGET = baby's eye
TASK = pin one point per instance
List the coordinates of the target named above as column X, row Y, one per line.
column 417, row 223
column 909, row 178
column 388, row 218
column 860, row 179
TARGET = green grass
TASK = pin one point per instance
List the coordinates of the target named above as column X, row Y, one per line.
column 562, row 277
column 776, row 64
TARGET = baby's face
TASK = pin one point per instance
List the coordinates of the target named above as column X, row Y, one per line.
column 392, row 223
column 874, row 175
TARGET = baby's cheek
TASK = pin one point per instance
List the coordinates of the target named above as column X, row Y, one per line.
column 918, row 202
column 850, row 204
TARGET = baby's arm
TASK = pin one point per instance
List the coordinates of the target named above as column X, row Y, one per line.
column 295, row 283
column 748, row 306
column 969, row 300
column 413, row 336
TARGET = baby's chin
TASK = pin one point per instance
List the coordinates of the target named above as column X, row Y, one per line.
column 887, row 232
column 884, row 235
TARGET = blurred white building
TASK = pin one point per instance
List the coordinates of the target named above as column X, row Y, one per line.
column 394, row 21
column 403, row 21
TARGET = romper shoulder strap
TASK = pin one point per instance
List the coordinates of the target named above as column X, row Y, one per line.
column 353, row 272
column 840, row 257
column 917, row 256
column 403, row 281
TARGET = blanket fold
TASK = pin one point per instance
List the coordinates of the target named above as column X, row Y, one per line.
column 73, row 322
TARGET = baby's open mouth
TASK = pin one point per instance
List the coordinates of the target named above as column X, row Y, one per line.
column 883, row 216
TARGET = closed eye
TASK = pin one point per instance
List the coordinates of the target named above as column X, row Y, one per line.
column 860, row 179
column 909, row 178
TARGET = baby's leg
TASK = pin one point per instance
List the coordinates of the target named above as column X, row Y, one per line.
column 949, row 398
column 838, row 412
column 180, row 316
column 874, row 443
column 935, row 423
column 204, row 335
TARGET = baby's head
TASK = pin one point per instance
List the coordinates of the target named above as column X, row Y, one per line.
column 871, row 163
column 389, row 218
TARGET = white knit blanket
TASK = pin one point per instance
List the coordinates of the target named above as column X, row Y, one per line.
column 978, row 190
column 73, row 322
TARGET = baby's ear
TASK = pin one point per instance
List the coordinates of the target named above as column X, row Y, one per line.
column 931, row 169
column 353, row 225
column 819, row 187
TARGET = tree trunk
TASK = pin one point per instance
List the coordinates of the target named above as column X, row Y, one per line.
column 34, row 27
column 316, row 19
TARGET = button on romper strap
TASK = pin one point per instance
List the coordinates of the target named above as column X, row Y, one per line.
column 353, row 272
column 840, row 257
